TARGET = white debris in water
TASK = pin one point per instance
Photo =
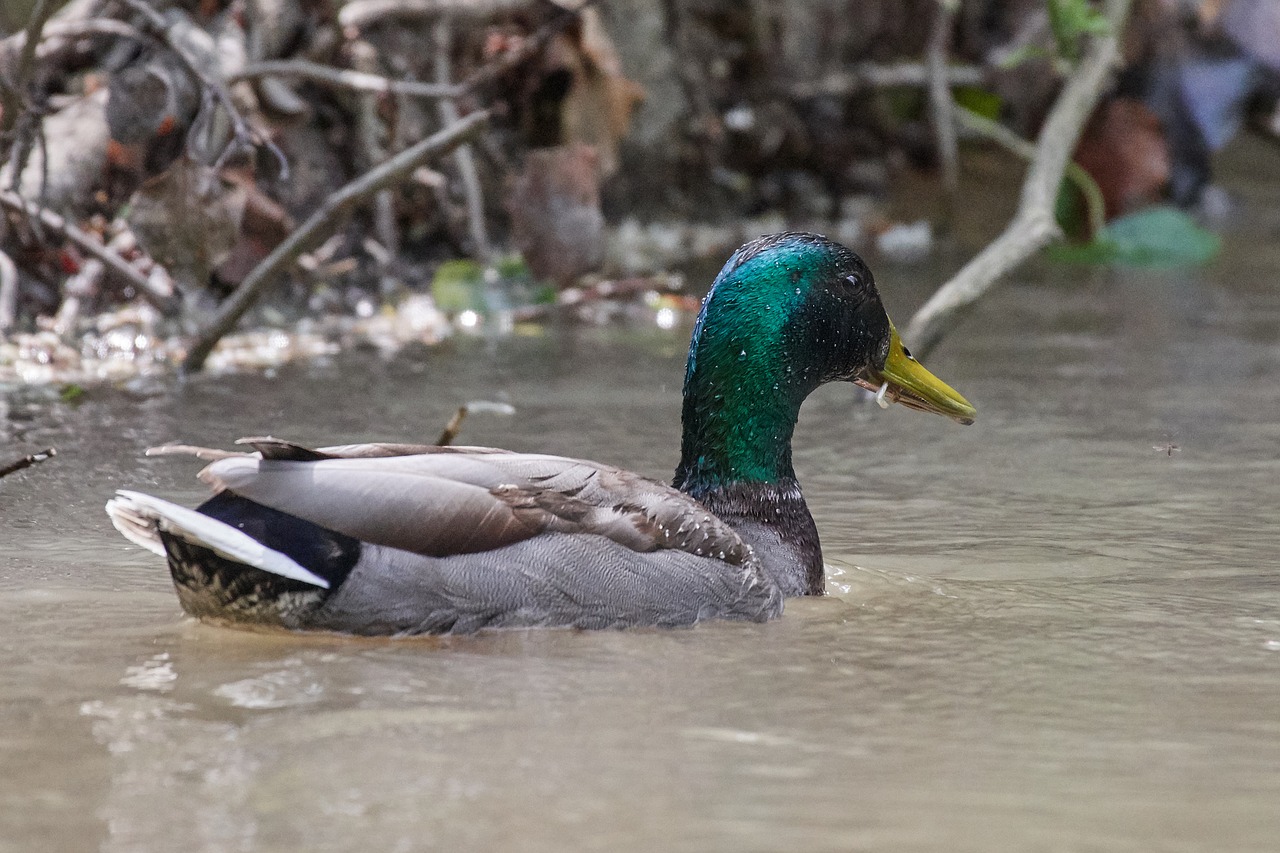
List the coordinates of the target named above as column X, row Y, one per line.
column 279, row 689
column 155, row 674
column 906, row 243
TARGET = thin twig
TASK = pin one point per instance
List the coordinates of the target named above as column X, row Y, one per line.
column 700, row 115
column 70, row 30
column 1033, row 226
column 8, row 291
column 16, row 109
column 1095, row 205
column 871, row 75
column 57, row 34
column 396, row 169
column 465, row 162
column 27, row 461
column 451, row 429
column 369, row 136
column 527, row 50
column 941, row 103
column 343, row 78
column 161, row 300
column 363, row 13
column 75, row 11
column 39, row 15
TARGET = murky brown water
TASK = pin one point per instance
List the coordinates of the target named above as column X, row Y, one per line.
column 1046, row 634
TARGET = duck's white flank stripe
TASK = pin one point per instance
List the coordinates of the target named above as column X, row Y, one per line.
column 220, row 538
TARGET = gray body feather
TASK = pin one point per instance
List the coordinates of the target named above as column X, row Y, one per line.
column 557, row 580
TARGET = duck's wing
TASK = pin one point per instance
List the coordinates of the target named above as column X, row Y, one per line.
column 440, row 501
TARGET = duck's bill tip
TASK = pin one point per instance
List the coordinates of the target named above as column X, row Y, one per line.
column 905, row 380
column 950, row 405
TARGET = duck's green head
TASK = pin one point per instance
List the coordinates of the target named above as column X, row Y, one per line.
column 789, row 312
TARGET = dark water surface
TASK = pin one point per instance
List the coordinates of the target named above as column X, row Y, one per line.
column 1045, row 633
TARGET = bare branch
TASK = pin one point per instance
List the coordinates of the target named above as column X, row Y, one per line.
column 370, row 148
column 528, row 49
column 870, row 75
column 462, row 157
column 344, row 79
column 89, row 244
column 363, row 13
column 16, row 116
column 243, row 134
column 39, row 15
column 1006, row 138
column 322, row 222
column 74, row 12
column 8, row 292
column 57, row 34
column 1033, row 226
column 941, row 104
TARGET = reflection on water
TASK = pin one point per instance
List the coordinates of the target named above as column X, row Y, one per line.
column 1046, row 633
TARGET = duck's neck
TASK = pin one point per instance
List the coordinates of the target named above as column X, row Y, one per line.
column 742, row 397
column 740, row 410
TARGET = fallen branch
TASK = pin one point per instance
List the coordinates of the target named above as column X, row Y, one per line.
column 394, row 170
column 1033, row 226
column 27, row 461
column 342, row 78
column 164, row 302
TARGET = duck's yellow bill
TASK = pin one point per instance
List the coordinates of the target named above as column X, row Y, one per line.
column 905, row 380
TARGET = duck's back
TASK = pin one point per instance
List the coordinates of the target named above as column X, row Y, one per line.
column 412, row 539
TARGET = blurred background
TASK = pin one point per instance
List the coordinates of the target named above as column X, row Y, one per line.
column 182, row 143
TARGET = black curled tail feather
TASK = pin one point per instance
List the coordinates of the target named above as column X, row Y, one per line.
column 327, row 553
column 214, row 587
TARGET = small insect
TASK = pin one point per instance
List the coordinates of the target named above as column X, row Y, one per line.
column 1168, row 448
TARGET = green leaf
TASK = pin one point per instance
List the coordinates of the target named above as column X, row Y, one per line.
column 1070, row 20
column 1160, row 236
column 977, row 100
column 457, row 286
column 513, row 268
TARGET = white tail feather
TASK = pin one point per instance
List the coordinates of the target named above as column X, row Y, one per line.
column 139, row 517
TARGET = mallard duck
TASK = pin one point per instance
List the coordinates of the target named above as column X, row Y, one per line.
column 412, row 539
